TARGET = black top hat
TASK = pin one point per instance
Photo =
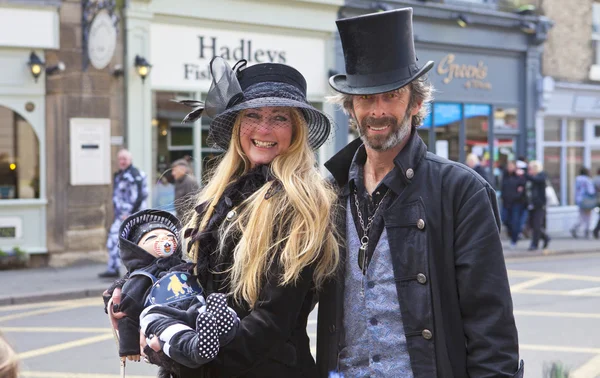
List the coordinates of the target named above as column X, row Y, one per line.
column 379, row 52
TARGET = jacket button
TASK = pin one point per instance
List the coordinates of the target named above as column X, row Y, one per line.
column 410, row 173
column 231, row 215
column 332, row 328
column 370, row 284
column 373, row 321
column 420, row 224
column 421, row 278
column 427, row 335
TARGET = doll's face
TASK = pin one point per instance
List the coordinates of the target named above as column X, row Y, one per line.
column 159, row 243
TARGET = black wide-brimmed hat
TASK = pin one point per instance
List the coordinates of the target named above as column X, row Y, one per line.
column 257, row 86
column 379, row 52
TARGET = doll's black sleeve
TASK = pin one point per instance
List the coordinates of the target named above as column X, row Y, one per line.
column 132, row 304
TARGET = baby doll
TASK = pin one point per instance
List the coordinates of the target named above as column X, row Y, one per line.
column 160, row 283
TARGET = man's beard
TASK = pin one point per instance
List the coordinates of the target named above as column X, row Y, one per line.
column 399, row 132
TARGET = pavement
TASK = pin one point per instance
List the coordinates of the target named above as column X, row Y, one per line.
column 81, row 280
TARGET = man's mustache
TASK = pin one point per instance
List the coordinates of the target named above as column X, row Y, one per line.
column 379, row 121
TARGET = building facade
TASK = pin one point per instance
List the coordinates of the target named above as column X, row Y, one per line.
column 568, row 120
column 179, row 43
column 486, row 73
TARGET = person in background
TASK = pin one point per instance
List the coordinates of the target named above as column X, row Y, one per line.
column 514, row 200
column 9, row 360
column 585, row 199
column 596, row 181
column 130, row 191
column 186, row 186
column 537, row 204
column 473, row 163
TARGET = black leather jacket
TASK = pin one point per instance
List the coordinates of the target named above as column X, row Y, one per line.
column 449, row 267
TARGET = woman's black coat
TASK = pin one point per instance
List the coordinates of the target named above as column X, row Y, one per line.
column 271, row 340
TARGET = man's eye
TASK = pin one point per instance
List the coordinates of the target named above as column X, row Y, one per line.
column 365, row 97
column 392, row 95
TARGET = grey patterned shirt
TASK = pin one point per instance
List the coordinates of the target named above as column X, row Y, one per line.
column 375, row 340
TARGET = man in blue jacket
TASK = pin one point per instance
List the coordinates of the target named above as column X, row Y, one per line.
column 130, row 191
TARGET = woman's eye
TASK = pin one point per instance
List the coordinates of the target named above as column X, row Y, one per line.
column 252, row 115
column 281, row 118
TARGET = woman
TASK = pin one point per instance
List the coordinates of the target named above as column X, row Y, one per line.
column 261, row 231
column 585, row 199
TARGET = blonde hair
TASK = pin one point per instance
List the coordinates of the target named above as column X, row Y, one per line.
column 9, row 361
column 293, row 228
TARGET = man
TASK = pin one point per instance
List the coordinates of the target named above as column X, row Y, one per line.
column 185, row 186
column 537, row 204
column 130, row 191
column 422, row 289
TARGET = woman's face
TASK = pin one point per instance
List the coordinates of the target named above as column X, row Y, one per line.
column 265, row 133
column 159, row 243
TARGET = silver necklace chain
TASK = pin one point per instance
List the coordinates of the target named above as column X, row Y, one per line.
column 364, row 241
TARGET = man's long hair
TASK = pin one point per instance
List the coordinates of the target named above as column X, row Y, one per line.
column 294, row 228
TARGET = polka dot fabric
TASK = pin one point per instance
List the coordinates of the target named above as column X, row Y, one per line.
column 208, row 335
column 216, row 304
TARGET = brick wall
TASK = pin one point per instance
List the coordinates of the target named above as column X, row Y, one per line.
column 568, row 53
column 78, row 216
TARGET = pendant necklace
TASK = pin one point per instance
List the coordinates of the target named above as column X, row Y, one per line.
column 364, row 241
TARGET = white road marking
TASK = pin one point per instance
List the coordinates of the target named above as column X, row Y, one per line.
column 530, row 283
column 585, row 291
column 64, row 346
column 590, row 369
column 562, row 293
column 558, row 348
column 562, row 276
column 577, row 315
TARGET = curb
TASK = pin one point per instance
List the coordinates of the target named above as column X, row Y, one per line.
column 53, row 296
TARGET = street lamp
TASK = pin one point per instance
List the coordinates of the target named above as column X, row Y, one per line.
column 462, row 20
column 142, row 66
column 36, row 65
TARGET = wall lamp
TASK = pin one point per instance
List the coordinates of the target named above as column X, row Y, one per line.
column 142, row 66
column 528, row 27
column 59, row 67
column 462, row 20
column 36, row 66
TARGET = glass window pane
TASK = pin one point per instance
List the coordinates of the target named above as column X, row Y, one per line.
column 552, row 167
column 552, row 128
column 574, row 164
column 477, row 124
column 447, row 118
column 19, row 157
column 182, row 136
column 506, row 119
column 595, row 168
column 575, row 130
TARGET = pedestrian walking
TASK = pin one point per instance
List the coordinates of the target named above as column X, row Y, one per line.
column 422, row 289
column 537, row 204
column 473, row 162
column 186, row 186
column 514, row 200
column 585, row 199
column 130, row 191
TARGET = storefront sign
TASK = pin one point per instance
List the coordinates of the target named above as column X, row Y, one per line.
column 180, row 55
column 472, row 75
column 90, row 151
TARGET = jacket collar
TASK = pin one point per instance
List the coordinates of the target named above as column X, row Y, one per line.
column 406, row 161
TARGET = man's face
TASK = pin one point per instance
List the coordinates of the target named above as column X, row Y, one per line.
column 124, row 160
column 384, row 119
column 178, row 172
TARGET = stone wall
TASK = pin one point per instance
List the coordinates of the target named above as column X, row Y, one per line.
column 78, row 216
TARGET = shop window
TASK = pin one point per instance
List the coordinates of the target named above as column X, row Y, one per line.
column 596, row 30
column 476, row 133
column 595, row 162
column 575, row 130
column 447, row 118
column 574, row 160
column 552, row 161
column 506, row 119
column 19, row 157
column 552, row 129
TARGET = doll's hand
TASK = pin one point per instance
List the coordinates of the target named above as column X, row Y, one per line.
column 226, row 317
